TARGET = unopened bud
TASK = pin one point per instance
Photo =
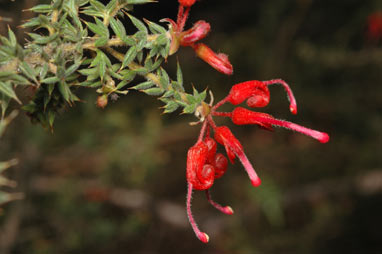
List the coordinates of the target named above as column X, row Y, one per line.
column 102, row 101
column 219, row 62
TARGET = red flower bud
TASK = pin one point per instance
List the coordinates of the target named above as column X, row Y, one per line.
column 196, row 33
column 224, row 136
column 219, row 62
column 187, row 3
column 199, row 174
column 220, row 164
column 102, row 101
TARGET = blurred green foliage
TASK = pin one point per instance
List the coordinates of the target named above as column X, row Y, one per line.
column 315, row 198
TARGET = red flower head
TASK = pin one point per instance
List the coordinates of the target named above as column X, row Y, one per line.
column 204, row 165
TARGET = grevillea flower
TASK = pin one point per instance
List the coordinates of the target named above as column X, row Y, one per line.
column 204, row 165
column 190, row 37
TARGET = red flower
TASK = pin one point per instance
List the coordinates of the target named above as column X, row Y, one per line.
column 204, row 166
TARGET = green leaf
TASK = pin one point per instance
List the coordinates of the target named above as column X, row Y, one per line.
column 164, row 78
column 162, row 40
column 51, row 116
column 129, row 56
column 122, row 84
column 42, row 39
column 4, row 102
column 130, row 41
column 191, row 99
column 31, row 23
column 156, row 91
column 128, row 74
column 168, row 94
column 88, row 71
column 7, row 89
column 170, row 107
column 111, row 6
column 98, row 6
column 141, row 37
column 12, row 38
column 155, row 28
column 73, row 68
column 28, row 71
column 50, row 89
column 179, row 76
column 143, row 85
column 50, row 80
column 98, row 28
column 101, row 41
column 42, row 8
column 118, row 28
column 44, row 70
column 189, row 109
column 64, row 90
column 138, row 24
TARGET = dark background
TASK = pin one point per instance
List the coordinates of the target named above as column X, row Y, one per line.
column 113, row 180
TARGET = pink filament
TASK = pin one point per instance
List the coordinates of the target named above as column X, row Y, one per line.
column 255, row 180
column 292, row 100
column 320, row 136
column 226, row 209
column 200, row 235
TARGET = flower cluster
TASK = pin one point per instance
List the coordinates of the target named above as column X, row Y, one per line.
column 190, row 37
column 204, row 165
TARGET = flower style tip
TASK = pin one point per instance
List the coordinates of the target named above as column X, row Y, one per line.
column 219, row 62
column 203, row 237
column 196, row 33
column 224, row 209
column 200, row 235
column 187, row 3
